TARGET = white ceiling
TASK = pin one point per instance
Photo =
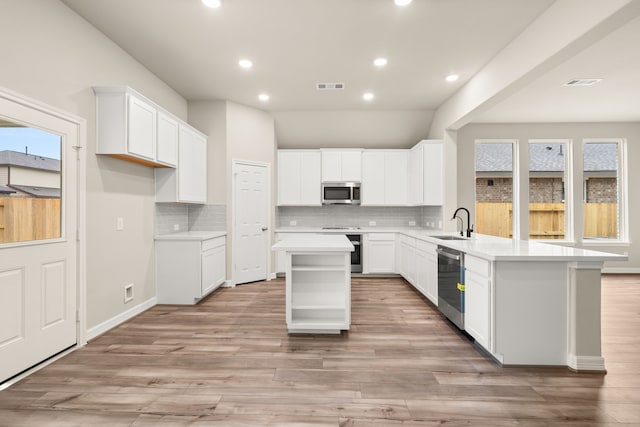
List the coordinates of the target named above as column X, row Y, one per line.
column 296, row 43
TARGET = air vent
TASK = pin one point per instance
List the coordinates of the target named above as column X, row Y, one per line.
column 330, row 86
column 582, row 82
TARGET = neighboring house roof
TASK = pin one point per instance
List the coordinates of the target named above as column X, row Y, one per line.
column 545, row 157
column 32, row 161
column 6, row 190
column 38, row 191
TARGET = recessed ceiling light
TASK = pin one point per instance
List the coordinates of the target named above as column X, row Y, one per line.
column 401, row 2
column 380, row 62
column 245, row 63
column 263, row 97
column 452, row 77
column 368, row 96
column 214, row 4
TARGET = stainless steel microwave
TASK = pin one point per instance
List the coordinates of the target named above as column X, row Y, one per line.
column 340, row 193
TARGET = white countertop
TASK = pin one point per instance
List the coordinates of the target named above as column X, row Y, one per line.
column 191, row 235
column 315, row 243
column 486, row 247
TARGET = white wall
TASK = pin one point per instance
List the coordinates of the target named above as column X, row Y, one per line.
column 357, row 129
column 54, row 56
column 575, row 131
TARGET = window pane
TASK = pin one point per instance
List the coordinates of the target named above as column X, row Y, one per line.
column 600, row 190
column 547, row 179
column 494, row 189
column 30, row 184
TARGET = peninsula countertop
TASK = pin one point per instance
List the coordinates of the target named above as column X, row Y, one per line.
column 315, row 243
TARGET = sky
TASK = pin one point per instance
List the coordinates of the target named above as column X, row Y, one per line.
column 38, row 141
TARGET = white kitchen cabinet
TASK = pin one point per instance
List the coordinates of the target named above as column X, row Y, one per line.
column 408, row 268
column 341, row 165
column 477, row 285
column 384, row 177
column 188, row 269
column 299, row 178
column 425, row 171
column 379, row 253
column 427, row 270
column 188, row 182
column 131, row 127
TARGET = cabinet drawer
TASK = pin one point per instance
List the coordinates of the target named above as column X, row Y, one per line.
column 477, row 265
column 382, row 237
column 410, row 241
column 426, row 246
column 212, row 243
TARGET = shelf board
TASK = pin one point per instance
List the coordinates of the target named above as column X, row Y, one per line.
column 340, row 268
column 318, row 307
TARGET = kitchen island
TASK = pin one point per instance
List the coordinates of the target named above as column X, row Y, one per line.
column 318, row 283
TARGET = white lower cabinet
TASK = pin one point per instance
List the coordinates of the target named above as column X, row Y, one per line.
column 187, row 270
column 379, row 253
column 427, row 270
column 407, row 267
column 477, row 288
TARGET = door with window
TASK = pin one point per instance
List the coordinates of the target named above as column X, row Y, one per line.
column 251, row 221
column 38, row 234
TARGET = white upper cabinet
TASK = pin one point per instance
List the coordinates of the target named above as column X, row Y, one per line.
column 299, row 178
column 341, row 165
column 188, row 182
column 384, row 177
column 130, row 127
column 426, row 173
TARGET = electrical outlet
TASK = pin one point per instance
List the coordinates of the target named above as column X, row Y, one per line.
column 119, row 223
column 293, row 223
column 176, row 227
column 128, row 293
column 412, row 223
column 372, row 223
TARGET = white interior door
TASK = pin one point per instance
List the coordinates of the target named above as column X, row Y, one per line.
column 251, row 221
column 38, row 242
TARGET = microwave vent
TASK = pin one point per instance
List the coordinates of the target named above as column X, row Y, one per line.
column 330, row 86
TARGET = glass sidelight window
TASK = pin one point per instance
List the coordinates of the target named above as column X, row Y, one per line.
column 30, row 184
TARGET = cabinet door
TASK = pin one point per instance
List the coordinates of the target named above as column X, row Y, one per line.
column 192, row 167
column 167, row 141
column 373, row 177
column 141, row 134
column 381, row 255
column 421, row 271
column 431, row 285
column 352, row 166
column 208, row 267
column 309, row 178
column 433, row 180
column 416, row 179
column 395, row 178
column 476, row 296
column 331, row 166
column 220, row 262
column 289, row 183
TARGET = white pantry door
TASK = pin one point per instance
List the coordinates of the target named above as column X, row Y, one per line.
column 38, row 271
column 251, row 221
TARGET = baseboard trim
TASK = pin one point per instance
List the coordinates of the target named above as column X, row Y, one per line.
column 120, row 318
column 228, row 284
column 271, row 276
column 614, row 270
column 586, row 363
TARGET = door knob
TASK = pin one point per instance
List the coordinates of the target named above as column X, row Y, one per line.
column 265, row 228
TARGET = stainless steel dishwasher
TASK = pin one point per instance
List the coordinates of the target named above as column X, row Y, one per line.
column 451, row 284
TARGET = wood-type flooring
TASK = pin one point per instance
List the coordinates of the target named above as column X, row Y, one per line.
column 229, row 361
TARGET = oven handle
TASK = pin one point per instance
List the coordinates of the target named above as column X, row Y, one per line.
column 354, row 243
column 447, row 254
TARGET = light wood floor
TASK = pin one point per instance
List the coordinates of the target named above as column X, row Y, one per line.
column 229, row 362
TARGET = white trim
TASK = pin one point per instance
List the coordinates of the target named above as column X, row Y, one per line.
column 120, row 318
column 272, row 276
column 267, row 166
column 228, row 284
column 586, row 363
column 621, row 270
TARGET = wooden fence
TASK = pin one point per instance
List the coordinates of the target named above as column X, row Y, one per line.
column 28, row 218
column 546, row 220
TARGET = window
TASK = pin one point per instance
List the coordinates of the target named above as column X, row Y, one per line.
column 602, row 189
column 548, row 162
column 30, row 184
column 494, row 187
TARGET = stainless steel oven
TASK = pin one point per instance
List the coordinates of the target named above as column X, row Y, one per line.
column 340, row 193
column 451, row 284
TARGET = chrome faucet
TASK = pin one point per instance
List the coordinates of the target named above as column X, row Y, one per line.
column 469, row 227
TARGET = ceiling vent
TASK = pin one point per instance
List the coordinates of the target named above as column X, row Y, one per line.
column 582, row 82
column 330, row 86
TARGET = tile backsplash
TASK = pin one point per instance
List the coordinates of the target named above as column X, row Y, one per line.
column 189, row 217
column 359, row 216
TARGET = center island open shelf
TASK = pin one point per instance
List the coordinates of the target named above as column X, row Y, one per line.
column 318, row 283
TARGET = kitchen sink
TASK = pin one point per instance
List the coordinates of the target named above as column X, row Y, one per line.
column 449, row 237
